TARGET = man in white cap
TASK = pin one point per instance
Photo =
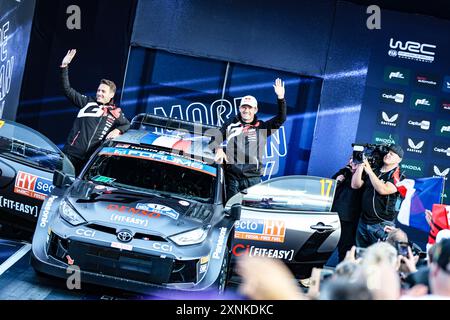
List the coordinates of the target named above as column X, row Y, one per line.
column 246, row 138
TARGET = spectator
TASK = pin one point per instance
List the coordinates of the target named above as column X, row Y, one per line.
column 98, row 118
column 379, row 196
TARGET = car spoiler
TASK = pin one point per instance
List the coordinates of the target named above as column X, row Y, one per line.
column 144, row 119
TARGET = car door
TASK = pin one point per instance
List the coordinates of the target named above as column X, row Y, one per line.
column 27, row 162
column 287, row 218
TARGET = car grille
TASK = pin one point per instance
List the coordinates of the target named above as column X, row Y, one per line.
column 122, row 264
column 138, row 235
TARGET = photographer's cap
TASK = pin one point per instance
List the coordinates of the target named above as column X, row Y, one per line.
column 441, row 255
column 396, row 149
column 249, row 101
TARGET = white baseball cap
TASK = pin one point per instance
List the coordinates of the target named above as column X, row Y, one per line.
column 249, row 101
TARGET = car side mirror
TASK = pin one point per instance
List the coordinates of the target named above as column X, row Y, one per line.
column 234, row 212
column 60, row 179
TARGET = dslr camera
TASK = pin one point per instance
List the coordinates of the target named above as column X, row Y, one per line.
column 374, row 153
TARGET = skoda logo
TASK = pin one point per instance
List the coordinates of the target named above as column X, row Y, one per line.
column 124, row 236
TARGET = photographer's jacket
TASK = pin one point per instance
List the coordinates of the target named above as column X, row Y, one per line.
column 246, row 142
column 377, row 208
column 94, row 121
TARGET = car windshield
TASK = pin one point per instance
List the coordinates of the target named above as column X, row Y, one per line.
column 154, row 171
column 25, row 144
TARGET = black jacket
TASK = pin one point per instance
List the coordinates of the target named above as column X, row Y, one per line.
column 94, row 121
column 347, row 201
column 246, row 142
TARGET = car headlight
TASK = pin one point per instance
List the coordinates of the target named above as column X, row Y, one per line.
column 191, row 237
column 69, row 214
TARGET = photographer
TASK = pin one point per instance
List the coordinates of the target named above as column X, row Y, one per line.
column 379, row 196
column 347, row 203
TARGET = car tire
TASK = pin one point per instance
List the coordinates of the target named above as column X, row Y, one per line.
column 224, row 272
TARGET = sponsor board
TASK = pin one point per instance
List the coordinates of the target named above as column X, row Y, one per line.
column 220, row 243
column 442, row 128
column 441, row 149
column 384, row 138
column 390, row 119
column 260, row 230
column 445, row 105
column 426, row 80
column 411, row 50
column 412, row 168
column 158, row 209
column 423, row 102
column 18, row 206
column 392, row 96
column 446, row 84
column 439, row 171
column 32, row 186
column 415, row 146
column 418, row 123
column 252, row 251
column 396, row 75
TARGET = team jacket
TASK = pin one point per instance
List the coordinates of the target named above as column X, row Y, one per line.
column 246, row 142
column 94, row 121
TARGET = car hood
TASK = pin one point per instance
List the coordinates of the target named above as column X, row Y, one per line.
column 126, row 208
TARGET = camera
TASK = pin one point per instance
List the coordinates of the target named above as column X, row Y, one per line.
column 373, row 153
column 402, row 249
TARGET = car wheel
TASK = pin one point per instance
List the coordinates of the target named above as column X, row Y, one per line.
column 224, row 271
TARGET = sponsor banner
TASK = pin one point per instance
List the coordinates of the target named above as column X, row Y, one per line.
column 445, row 105
column 441, row 149
column 446, row 84
column 413, row 168
column 439, row 171
column 159, row 209
column 415, row 145
column 385, row 138
column 443, row 128
column 388, row 118
column 252, row 251
column 418, row 123
column 389, row 96
column 160, row 157
column 411, row 50
column 396, row 75
column 423, row 102
column 18, row 206
column 426, row 80
column 260, row 230
column 32, row 186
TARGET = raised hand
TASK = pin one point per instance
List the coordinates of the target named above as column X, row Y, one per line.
column 279, row 88
column 68, row 58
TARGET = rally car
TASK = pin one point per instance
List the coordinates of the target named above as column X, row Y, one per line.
column 148, row 211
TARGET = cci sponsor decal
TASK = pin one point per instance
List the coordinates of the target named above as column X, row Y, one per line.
column 392, row 97
column 443, row 128
column 157, row 208
column 32, row 186
column 426, row 80
column 396, row 75
column 220, row 243
column 383, row 137
column 388, row 119
column 441, row 150
column 18, row 206
column 418, row 123
column 412, row 168
column 85, row 233
column 446, row 84
column 260, row 230
column 134, row 211
column 252, row 251
column 416, row 146
column 411, row 50
column 46, row 211
column 162, row 247
column 423, row 102
column 439, row 171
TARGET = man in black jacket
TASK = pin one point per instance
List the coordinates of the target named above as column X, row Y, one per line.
column 97, row 119
column 246, row 138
